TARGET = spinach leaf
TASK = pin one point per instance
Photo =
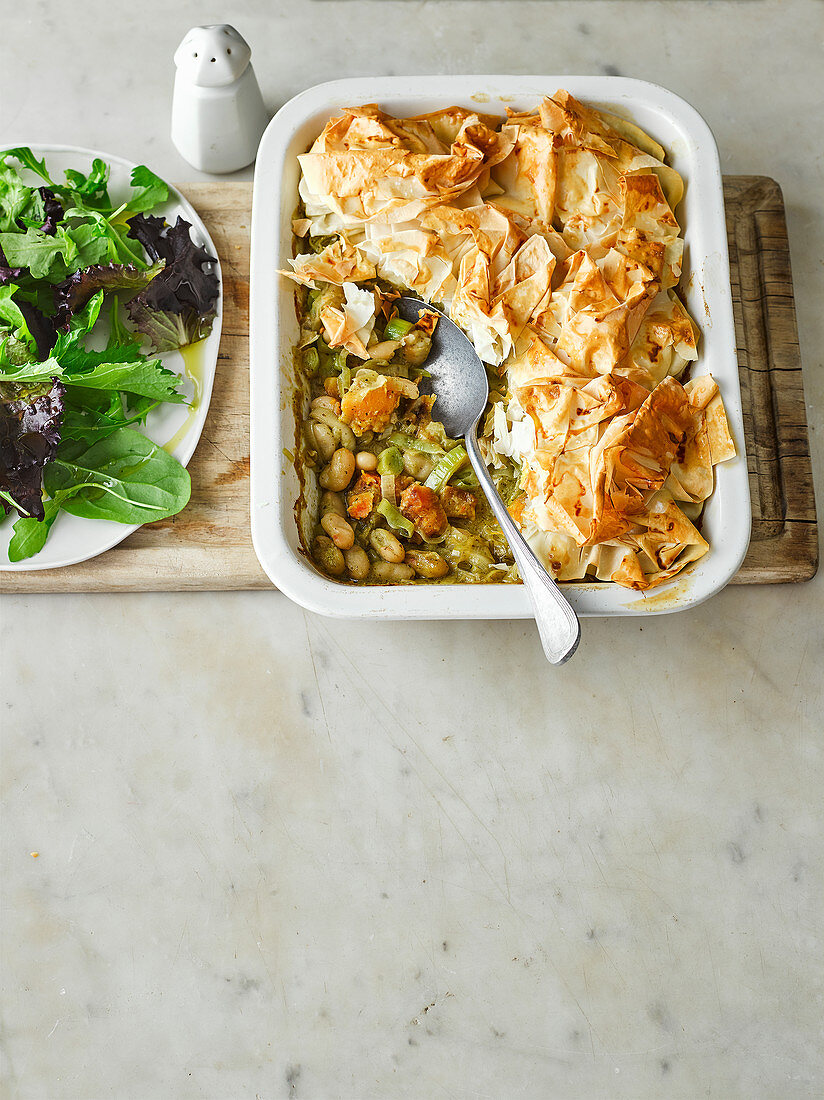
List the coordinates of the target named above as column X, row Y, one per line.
column 134, row 480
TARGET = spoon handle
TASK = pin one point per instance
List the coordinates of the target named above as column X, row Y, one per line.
column 557, row 623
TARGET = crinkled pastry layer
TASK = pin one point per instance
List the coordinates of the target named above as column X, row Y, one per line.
column 551, row 238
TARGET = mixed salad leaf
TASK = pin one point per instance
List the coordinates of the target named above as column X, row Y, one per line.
column 75, row 269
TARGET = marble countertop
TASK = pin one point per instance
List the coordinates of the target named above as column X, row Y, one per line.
column 249, row 852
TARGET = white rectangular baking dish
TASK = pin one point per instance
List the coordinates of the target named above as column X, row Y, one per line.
column 691, row 150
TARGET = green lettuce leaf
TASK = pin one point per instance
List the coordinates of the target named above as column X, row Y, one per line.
column 40, row 252
column 30, row 534
column 151, row 190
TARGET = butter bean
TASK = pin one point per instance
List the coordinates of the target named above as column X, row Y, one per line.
column 391, row 573
column 332, row 502
column 323, row 439
column 427, row 563
column 326, row 402
column 357, row 563
column 387, row 545
column 337, row 475
column 328, row 556
column 338, row 530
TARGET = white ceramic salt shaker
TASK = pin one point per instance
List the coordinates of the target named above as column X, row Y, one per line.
column 218, row 116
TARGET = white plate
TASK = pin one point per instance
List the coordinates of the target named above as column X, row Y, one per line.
column 71, row 538
column 690, row 149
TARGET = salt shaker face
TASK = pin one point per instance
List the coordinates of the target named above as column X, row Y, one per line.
column 218, row 114
column 212, row 56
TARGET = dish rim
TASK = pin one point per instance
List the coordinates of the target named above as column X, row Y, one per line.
column 286, row 565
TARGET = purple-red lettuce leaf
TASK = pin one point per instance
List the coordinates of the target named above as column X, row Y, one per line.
column 8, row 274
column 178, row 306
column 75, row 291
column 29, row 435
column 42, row 328
column 168, row 330
column 52, row 209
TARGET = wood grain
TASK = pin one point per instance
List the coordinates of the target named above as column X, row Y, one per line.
column 784, row 543
column 208, row 547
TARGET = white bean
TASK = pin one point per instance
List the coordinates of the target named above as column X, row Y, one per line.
column 337, row 475
column 387, row 545
column 427, row 563
column 417, row 465
column 332, row 502
column 391, row 573
column 338, row 530
column 324, row 440
column 328, row 556
column 357, row 563
column 326, row 402
column 342, row 433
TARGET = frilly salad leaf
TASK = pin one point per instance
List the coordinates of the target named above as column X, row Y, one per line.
column 29, row 435
column 168, row 330
column 30, row 161
column 18, row 335
column 91, row 188
column 42, row 253
column 52, row 210
column 151, row 190
column 15, row 197
column 178, row 305
column 75, row 291
column 124, row 370
column 8, row 274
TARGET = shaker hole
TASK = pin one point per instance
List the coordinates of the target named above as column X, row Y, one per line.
column 228, row 51
column 213, row 59
column 194, row 55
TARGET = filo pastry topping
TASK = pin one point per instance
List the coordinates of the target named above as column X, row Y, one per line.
column 551, row 238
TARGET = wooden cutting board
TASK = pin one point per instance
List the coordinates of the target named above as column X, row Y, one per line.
column 208, row 546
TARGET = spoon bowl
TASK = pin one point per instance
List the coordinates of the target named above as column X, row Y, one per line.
column 458, row 378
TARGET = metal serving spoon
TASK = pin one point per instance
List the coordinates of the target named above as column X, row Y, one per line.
column 459, row 380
